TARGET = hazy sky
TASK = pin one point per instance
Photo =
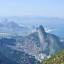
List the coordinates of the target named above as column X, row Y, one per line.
column 47, row 8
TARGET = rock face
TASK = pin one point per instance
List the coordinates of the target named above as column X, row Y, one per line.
column 48, row 42
column 42, row 37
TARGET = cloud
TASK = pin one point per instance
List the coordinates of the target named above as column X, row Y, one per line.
column 49, row 30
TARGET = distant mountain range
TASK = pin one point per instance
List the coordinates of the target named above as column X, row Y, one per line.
column 9, row 28
column 29, row 23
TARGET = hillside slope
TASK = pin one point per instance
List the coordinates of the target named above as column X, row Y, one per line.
column 58, row 58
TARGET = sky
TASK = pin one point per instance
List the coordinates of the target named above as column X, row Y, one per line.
column 46, row 8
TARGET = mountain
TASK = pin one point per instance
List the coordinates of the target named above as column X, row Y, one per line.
column 32, row 21
column 39, row 44
column 58, row 58
column 11, row 27
column 47, row 43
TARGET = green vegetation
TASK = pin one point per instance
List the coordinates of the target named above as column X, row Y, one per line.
column 58, row 58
